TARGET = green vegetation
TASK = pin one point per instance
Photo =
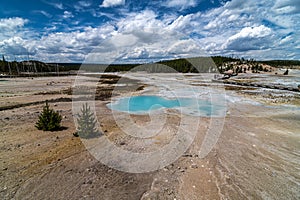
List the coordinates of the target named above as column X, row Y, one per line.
column 203, row 64
column 49, row 120
column 282, row 63
column 220, row 60
column 32, row 66
column 86, row 123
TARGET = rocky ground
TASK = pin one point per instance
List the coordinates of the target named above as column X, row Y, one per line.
column 257, row 156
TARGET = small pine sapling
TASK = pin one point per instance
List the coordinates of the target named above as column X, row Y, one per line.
column 86, row 123
column 49, row 120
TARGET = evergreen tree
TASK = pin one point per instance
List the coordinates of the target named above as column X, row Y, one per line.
column 49, row 120
column 86, row 123
column 3, row 63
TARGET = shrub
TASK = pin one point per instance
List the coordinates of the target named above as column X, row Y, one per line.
column 49, row 120
column 86, row 123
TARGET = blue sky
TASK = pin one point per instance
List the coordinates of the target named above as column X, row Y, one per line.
column 145, row 31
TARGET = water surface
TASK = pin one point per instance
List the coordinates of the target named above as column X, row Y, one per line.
column 145, row 104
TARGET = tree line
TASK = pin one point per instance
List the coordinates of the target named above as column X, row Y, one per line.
column 189, row 65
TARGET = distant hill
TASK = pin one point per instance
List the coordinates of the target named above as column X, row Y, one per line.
column 31, row 66
column 203, row 64
column 282, row 63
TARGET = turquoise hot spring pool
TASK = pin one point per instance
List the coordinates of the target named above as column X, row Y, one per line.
column 145, row 104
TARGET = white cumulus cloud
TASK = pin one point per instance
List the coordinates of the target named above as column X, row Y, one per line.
column 182, row 4
column 14, row 45
column 250, row 38
column 67, row 15
column 12, row 27
column 142, row 37
column 12, row 23
column 112, row 3
column 252, row 32
column 267, row 30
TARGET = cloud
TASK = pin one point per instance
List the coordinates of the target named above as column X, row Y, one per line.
column 221, row 30
column 181, row 22
column 67, row 15
column 84, row 3
column 57, row 5
column 287, row 6
column 68, row 47
column 45, row 13
column 243, row 28
column 12, row 27
column 252, row 32
column 83, row 6
column 249, row 38
column 58, row 46
column 182, row 4
column 42, row 12
column 112, row 3
column 142, row 36
column 140, row 20
column 12, row 23
column 14, row 45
